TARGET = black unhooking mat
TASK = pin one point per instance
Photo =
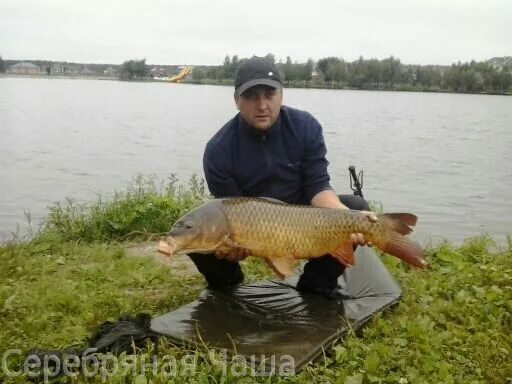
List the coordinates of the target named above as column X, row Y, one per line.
column 263, row 322
column 271, row 318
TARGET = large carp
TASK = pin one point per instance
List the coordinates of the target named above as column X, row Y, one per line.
column 283, row 233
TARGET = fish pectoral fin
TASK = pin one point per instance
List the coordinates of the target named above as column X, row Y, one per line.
column 283, row 266
column 249, row 244
column 227, row 242
column 345, row 254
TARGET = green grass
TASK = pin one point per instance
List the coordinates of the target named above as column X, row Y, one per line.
column 453, row 324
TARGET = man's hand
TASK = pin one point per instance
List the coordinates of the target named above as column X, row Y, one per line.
column 358, row 238
column 236, row 254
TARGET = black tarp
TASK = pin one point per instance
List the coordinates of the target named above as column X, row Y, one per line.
column 272, row 318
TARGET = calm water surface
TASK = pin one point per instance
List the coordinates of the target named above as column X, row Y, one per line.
column 445, row 157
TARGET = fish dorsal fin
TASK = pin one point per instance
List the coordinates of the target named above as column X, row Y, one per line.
column 283, row 266
column 345, row 254
column 272, row 200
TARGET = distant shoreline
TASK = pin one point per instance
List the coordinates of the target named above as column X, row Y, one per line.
column 229, row 83
column 73, row 77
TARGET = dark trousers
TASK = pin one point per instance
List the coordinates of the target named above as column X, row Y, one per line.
column 322, row 272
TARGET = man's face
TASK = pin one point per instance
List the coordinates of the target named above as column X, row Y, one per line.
column 260, row 106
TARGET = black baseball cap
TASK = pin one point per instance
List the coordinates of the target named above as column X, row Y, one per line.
column 256, row 71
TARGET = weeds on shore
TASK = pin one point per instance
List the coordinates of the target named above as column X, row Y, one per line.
column 146, row 209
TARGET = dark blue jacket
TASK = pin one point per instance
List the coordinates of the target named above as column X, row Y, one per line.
column 287, row 162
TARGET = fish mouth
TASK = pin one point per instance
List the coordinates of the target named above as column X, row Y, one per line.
column 167, row 246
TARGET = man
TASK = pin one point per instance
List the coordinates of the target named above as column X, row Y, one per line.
column 270, row 150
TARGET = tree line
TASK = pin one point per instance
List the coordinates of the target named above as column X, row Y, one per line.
column 333, row 72
column 386, row 74
column 134, row 70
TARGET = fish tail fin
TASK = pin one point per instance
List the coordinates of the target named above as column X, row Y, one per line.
column 400, row 246
column 405, row 249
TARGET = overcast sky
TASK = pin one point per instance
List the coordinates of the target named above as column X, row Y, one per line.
column 205, row 31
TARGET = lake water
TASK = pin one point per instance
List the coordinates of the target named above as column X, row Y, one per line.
column 445, row 157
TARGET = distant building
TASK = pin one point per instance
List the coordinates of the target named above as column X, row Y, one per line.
column 57, row 69
column 158, row 72
column 501, row 62
column 109, row 72
column 86, row 72
column 24, row 69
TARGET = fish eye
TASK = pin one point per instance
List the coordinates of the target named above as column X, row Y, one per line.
column 188, row 225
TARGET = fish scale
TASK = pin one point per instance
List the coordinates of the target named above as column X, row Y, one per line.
column 281, row 229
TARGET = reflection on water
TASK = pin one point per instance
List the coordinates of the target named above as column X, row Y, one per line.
column 444, row 157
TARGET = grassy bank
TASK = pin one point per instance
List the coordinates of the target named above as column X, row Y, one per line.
column 452, row 325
